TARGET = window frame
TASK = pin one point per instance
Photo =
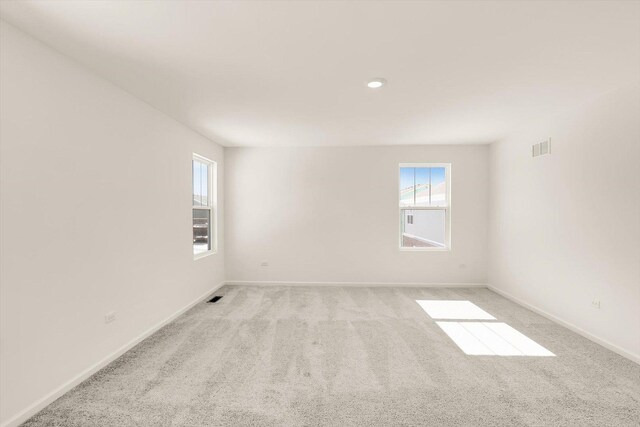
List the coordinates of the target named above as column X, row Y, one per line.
column 446, row 208
column 212, row 206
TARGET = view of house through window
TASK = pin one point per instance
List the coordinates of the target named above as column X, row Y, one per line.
column 204, row 198
column 424, row 206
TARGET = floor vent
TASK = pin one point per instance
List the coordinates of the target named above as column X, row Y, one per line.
column 214, row 299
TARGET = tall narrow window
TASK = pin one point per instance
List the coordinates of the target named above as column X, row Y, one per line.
column 204, row 206
column 425, row 208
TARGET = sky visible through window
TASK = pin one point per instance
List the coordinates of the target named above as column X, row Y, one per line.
column 200, row 184
column 422, row 186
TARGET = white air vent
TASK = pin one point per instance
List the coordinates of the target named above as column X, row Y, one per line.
column 541, row 148
column 535, row 150
column 544, row 147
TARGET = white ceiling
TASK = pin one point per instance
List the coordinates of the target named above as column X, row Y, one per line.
column 293, row 73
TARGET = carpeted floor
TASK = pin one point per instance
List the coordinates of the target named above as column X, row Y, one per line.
column 349, row 356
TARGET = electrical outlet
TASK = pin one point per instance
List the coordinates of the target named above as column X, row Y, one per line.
column 264, row 264
column 110, row 317
column 595, row 303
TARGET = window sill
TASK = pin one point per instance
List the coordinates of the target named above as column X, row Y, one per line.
column 425, row 249
column 204, row 255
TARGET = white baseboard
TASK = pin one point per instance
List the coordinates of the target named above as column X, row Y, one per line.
column 39, row 405
column 621, row 351
column 355, row 284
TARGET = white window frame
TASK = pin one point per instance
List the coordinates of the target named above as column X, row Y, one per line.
column 446, row 209
column 212, row 180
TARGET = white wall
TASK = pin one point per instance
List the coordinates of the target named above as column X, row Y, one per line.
column 565, row 228
column 96, row 216
column 331, row 215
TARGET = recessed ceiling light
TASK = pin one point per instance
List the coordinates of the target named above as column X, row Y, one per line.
column 376, row 83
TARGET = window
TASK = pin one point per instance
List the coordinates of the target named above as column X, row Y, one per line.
column 425, row 209
column 204, row 206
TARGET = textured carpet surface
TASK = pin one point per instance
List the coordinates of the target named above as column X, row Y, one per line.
column 349, row 356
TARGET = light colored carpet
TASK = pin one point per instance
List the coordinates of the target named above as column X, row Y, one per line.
column 349, row 356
